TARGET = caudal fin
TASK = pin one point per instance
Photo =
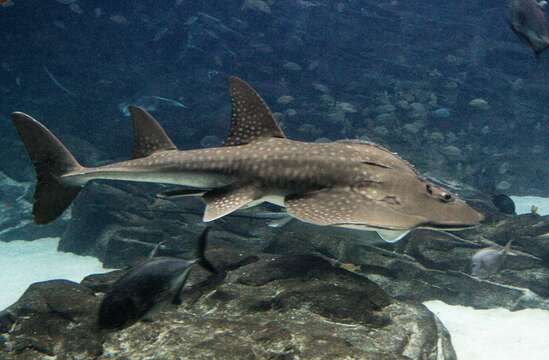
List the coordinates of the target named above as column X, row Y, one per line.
column 51, row 160
column 202, row 243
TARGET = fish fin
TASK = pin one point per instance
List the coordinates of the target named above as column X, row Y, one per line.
column 51, row 160
column 201, row 250
column 223, row 201
column 170, row 194
column 392, row 236
column 179, row 285
column 507, row 248
column 181, row 280
column 152, row 313
column 348, row 207
column 251, row 118
column 154, row 251
column 148, row 135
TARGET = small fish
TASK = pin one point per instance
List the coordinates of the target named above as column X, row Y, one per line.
column 256, row 5
column 160, row 34
column 441, row 113
column 489, row 261
column 504, row 204
column 75, row 7
column 216, row 24
column 209, row 141
column 57, row 83
column 171, row 102
column 146, row 289
column 119, row 19
column 350, row 267
column 149, row 103
column 527, row 20
column 212, row 74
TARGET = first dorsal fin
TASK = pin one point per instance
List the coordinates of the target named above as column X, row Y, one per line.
column 251, row 118
column 148, row 135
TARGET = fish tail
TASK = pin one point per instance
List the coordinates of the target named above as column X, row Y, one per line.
column 51, row 161
column 202, row 244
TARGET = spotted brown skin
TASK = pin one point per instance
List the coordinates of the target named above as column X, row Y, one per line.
column 343, row 183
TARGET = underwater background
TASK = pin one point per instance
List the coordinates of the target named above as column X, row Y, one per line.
column 446, row 85
column 401, row 73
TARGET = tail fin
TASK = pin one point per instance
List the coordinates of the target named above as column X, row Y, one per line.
column 202, row 244
column 51, row 160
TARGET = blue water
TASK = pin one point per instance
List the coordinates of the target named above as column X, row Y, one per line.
column 76, row 66
column 445, row 84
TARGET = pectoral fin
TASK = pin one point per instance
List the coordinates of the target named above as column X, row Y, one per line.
column 221, row 202
column 347, row 207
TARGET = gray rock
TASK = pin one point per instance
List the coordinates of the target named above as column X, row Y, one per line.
column 51, row 318
column 289, row 307
column 259, row 307
column 429, row 265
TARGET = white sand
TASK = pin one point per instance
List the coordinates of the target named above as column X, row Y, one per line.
column 523, row 204
column 496, row 333
column 25, row 262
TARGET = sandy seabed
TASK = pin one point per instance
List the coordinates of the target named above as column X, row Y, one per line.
column 523, row 205
column 25, row 262
column 495, row 333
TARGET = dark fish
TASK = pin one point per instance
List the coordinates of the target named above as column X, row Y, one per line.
column 504, row 204
column 147, row 288
column 527, row 20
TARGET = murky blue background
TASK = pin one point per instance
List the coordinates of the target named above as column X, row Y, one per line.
column 402, row 73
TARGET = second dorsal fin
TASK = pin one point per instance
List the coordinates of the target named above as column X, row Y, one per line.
column 148, row 135
column 251, row 118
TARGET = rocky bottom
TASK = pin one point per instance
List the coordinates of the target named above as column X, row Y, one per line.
column 258, row 307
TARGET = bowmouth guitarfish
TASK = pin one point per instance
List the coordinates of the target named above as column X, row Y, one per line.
column 346, row 183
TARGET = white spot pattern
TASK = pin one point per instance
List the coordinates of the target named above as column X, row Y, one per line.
column 251, row 118
column 149, row 137
column 224, row 201
column 344, row 206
